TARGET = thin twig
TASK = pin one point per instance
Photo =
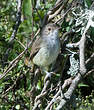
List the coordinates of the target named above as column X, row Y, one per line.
column 14, row 62
column 16, row 26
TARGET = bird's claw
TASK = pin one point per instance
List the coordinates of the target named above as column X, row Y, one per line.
column 48, row 76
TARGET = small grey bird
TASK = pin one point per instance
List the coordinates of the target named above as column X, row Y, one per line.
column 46, row 48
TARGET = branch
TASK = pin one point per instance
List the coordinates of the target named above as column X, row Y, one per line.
column 89, row 72
column 60, row 4
column 18, row 22
column 55, row 98
column 69, row 92
column 42, row 94
column 91, row 58
column 73, row 85
column 14, row 84
column 16, row 26
column 78, row 78
column 14, row 62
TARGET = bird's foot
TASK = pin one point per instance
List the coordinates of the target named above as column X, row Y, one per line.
column 48, row 75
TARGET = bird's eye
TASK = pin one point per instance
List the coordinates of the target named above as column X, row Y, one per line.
column 49, row 29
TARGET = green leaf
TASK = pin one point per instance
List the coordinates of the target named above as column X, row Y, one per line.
column 88, row 3
column 39, row 85
column 27, row 11
column 82, row 85
column 17, row 107
column 58, row 75
column 27, row 8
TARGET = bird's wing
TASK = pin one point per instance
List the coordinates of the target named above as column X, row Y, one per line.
column 35, row 47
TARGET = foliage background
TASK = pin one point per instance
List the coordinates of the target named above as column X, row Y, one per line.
column 16, row 85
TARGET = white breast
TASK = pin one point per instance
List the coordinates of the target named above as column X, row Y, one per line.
column 49, row 51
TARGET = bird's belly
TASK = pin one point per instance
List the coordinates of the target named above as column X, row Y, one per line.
column 46, row 56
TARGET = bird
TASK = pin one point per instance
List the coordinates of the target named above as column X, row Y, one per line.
column 46, row 48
